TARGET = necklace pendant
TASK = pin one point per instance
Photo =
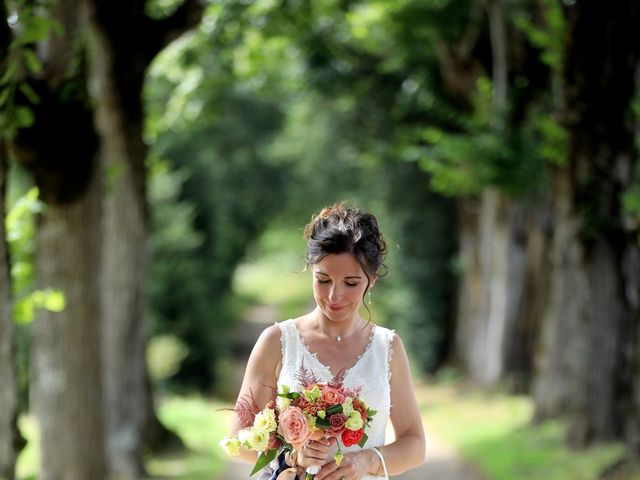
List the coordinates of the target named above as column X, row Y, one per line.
column 338, row 338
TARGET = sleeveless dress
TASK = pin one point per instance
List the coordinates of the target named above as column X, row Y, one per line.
column 371, row 373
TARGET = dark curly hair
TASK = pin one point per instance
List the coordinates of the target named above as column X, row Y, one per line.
column 341, row 229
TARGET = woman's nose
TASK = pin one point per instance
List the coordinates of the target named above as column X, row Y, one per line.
column 334, row 294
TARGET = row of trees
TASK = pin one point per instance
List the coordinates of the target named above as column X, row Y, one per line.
column 526, row 113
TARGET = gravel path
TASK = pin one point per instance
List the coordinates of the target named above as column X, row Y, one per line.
column 442, row 464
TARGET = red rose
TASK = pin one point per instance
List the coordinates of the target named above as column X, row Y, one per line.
column 337, row 421
column 350, row 437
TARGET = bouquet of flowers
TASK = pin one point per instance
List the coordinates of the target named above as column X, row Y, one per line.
column 293, row 418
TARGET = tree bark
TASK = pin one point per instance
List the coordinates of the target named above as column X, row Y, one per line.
column 124, row 264
column 119, row 58
column 585, row 364
column 501, row 246
column 66, row 373
column 8, row 392
column 498, row 31
column 632, row 434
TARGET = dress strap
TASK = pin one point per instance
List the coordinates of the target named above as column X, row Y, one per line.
column 287, row 340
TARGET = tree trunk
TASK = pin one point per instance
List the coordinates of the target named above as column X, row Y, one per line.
column 118, row 61
column 585, row 364
column 8, row 392
column 632, row 435
column 501, row 246
column 66, row 374
column 124, row 265
column 59, row 150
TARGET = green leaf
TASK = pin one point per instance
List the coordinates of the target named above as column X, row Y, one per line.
column 363, row 440
column 34, row 64
column 28, row 92
column 24, row 117
column 23, row 311
column 9, row 73
column 4, row 95
column 322, row 422
column 290, row 395
column 35, row 29
column 333, row 409
column 264, row 459
column 54, row 301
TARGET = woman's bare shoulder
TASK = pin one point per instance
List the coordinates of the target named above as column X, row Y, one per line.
column 269, row 341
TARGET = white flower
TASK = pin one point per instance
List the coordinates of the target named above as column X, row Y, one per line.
column 266, row 420
column 231, row 446
column 243, row 437
column 258, row 439
column 347, row 406
column 283, row 403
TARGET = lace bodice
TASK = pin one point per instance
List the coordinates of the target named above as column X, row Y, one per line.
column 371, row 373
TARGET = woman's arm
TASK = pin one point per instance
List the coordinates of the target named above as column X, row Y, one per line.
column 408, row 450
column 260, row 378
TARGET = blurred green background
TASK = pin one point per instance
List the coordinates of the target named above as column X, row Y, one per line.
column 495, row 141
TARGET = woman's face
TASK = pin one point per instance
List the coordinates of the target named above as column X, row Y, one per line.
column 339, row 284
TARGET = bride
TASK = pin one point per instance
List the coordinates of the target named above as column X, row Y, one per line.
column 345, row 251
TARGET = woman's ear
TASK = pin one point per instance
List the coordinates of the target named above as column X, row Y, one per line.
column 373, row 281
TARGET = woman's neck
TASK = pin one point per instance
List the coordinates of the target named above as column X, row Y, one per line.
column 337, row 331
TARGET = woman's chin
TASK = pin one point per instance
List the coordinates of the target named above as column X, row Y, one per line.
column 338, row 315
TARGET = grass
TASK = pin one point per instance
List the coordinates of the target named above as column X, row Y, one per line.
column 201, row 424
column 493, row 432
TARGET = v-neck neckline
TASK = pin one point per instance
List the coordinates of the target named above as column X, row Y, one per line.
column 326, row 367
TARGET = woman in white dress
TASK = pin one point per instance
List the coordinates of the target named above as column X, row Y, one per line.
column 345, row 251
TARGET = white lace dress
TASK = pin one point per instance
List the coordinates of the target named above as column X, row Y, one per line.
column 371, row 373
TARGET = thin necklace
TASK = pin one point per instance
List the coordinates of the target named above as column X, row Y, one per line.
column 339, row 337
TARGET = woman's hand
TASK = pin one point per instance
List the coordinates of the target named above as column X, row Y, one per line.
column 316, row 452
column 354, row 466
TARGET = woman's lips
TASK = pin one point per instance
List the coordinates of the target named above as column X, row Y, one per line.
column 336, row 308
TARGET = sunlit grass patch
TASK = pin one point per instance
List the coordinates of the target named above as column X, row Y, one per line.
column 201, row 424
column 494, row 432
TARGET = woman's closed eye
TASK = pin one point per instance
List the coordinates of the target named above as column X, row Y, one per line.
column 324, row 282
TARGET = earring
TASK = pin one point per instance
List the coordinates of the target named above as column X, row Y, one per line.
column 369, row 293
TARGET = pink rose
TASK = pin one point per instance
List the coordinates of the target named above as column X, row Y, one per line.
column 293, row 426
column 332, row 396
column 337, row 421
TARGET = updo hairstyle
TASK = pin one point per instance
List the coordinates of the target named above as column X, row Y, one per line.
column 340, row 229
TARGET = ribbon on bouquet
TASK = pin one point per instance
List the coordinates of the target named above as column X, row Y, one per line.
column 291, row 473
column 288, row 474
